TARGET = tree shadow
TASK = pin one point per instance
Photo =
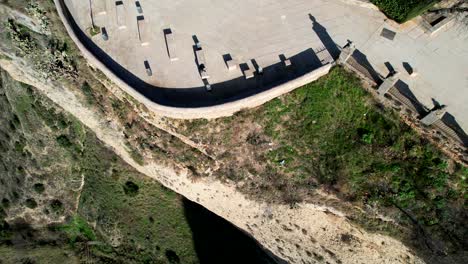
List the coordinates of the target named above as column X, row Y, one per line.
column 218, row 241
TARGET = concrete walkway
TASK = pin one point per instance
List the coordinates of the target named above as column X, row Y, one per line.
column 440, row 62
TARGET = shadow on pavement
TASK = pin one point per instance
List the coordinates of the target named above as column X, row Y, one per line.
column 451, row 121
column 361, row 58
column 224, row 92
column 326, row 39
column 404, row 89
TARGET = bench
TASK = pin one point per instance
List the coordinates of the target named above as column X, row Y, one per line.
column 170, row 44
column 231, row 65
column 120, row 15
column 202, row 63
column 249, row 70
column 200, row 57
column 143, row 31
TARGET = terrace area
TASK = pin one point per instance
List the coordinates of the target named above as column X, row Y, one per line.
column 199, row 54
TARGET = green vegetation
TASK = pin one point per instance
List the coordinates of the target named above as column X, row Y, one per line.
column 331, row 135
column 39, row 187
column 130, row 188
column 21, row 36
column 31, row 203
column 404, row 10
column 121, row 217
column 130, row 211
column 94, row 30
column 135, row 154
column 35, row 11
column 30, row 160
column 335, row 134
column 56, row 206
column 49, row 55
column 78, row 229
column 38, row 254
column 55, row 57
column 4, row 57
column 88, row 92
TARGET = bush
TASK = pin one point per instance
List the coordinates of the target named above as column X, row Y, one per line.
column 330, row 134
column 88, row 92
column 57, row 206
column 31, row 203
column 78, row 229
column 21, row 37
column 403, row 10
column 131, row 189
column 39, row 187
column 63, row 141
column 5, row 203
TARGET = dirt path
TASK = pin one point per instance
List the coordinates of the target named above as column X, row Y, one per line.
column 305, row 234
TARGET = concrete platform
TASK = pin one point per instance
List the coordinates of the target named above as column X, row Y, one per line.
column 263, row 30
column 260, row 30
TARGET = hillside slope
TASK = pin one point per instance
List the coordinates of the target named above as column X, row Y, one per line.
column 268, row 170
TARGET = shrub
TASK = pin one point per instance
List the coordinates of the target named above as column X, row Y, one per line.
column 88, row 92
column 131, row 189
column 39, row 14
column 21, row 37
column 31, row 203
column 39, row 187
column 135, row 154
column 5, row 203
column 63, row 141
column 77, row 229
column 56, row 206
column 403, row 10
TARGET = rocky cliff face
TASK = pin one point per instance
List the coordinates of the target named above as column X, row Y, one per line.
column 39, row 185
column 303, row 233
column 45, row 185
